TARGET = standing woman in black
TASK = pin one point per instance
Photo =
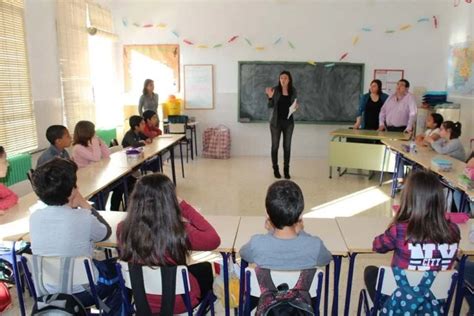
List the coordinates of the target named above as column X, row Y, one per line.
column 280, row 98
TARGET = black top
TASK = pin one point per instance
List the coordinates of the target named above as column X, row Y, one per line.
column 284, row 104
column 132, row 139
column 371, row 115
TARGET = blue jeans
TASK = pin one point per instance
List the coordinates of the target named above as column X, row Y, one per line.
column 457, row 200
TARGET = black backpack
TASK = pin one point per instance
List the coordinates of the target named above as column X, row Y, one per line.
column 58, row 305
column 281, row 300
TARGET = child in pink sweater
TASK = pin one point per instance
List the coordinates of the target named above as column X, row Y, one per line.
column 8, row 198
column 88, row 147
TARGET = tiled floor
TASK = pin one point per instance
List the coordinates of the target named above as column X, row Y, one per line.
column 238, row 187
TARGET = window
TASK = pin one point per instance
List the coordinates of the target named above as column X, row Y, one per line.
column 73, row 53
column 17, row 121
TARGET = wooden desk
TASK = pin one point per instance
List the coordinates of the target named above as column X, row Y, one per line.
column 354, row 155
column 325, row 228
column 359, row 232
column 226, row 227
column 15, row 221
column 423, row 157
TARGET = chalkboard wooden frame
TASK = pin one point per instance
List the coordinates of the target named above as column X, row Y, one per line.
column 247, row 120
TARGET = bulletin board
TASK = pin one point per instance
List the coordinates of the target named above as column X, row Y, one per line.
column 198, row 87
column 389, row 78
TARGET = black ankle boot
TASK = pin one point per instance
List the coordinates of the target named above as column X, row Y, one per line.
column 286, row 170
column 276, row 172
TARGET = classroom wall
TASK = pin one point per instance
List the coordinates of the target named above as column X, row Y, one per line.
column 320, row 30
column 40, row 27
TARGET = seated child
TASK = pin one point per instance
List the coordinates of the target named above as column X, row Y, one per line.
column 8, row 198
column 135, row 137
column 152, row 122
column 420, row 236
column 449, row 142
column 286, row 246
column 60, row 139
column 161, row 229
column 68, row 226
column 433, row 123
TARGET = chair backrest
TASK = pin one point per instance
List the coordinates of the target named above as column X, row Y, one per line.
column 175, row 119
column 440, row 288
column 177, row 128
column 152, row 279
column 279, row 277
column 58, row 272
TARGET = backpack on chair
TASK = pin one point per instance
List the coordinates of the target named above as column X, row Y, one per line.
column 58, row 305
column 281, row 300
column 414, row 300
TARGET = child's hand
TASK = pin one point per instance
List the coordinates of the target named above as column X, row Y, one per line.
column 76, row 200
column 429, row 139
column 148, row 141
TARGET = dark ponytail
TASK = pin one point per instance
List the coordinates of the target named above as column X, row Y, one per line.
column 454, row 127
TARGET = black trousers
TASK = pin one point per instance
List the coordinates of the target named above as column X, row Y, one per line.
column 117, row 193
column 284, row 127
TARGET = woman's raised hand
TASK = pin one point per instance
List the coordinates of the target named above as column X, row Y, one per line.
column 269, row 92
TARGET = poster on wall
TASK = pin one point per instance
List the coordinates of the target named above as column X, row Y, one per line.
column 157, row 62
column 198, row 87
column 389, row 78
column 461, row 69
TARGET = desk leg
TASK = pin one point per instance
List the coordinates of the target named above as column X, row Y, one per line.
column 243, row 265
column 460, row 287
column 464, row 199
column 125, row 190
column 383, row 166
column 225, row 258
column 17, row 276
column 337, row 274
column 192, row 144
column 395, row 174
column 350, row 276
column 330, row 172
column 195, row 139
column 173, row 171
column 326, row 289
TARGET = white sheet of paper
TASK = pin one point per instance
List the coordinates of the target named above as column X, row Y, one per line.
column 292, row 109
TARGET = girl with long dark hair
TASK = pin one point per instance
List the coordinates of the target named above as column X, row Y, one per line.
column 420, row 236
column 369, row 107
column 280, row 98
column 449, row 142
column 160, row 230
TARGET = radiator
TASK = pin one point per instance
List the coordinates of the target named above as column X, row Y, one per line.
column 19, row 165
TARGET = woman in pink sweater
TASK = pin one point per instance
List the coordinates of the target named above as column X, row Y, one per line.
column 7, row 197
column 89, row 148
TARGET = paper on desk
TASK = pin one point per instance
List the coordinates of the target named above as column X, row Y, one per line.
column 292, row 109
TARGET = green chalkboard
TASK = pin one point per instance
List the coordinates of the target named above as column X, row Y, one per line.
column 327, row 92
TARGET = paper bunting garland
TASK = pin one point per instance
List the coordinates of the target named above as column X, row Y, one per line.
column 355, row 40
column 405, row 27
column 233, row 38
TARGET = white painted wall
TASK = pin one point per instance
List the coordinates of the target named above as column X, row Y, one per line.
column 320, row 30
column 40, row 24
